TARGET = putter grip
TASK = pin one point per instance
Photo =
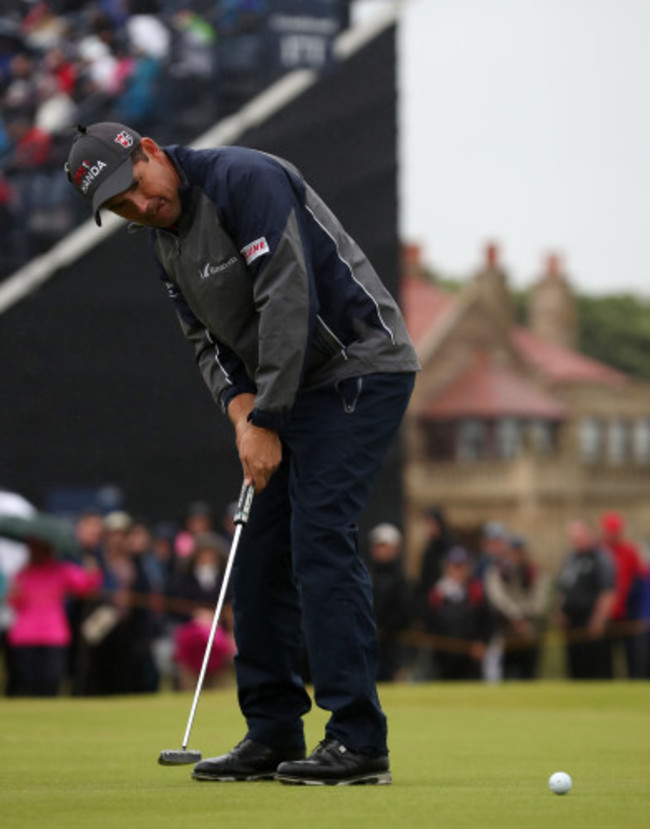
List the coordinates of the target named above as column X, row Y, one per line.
column 244, row 504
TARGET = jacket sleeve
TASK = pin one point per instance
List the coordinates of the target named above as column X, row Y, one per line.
column 606, row 572
column 265, row 216
column 222, row 370
column 498, row 596
column 539, row 594
column 81, row 582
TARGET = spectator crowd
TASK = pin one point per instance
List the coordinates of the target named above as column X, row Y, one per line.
column 131, row 609
column 123, row 608
column 126, row 607
column 152, row 64
column 485, row 613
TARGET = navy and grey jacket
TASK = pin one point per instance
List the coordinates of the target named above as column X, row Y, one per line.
column 273, row 294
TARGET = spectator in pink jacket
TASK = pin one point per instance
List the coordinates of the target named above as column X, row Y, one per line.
column 40, row 633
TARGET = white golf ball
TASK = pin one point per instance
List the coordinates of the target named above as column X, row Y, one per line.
column 560, row 782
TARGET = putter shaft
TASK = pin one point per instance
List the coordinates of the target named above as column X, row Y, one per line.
column 185, row 757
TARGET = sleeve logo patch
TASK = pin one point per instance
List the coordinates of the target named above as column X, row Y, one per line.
column 255, row 249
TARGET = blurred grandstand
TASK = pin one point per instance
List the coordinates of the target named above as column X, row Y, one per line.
column 82, row 418
column 169, row 68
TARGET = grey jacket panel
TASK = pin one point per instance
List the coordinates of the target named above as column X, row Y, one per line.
column 281, row 295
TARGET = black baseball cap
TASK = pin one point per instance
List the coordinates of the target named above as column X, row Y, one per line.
column 99, row 163
column 457, row 555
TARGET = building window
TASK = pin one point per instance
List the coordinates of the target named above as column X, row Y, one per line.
column 508, row 437
column 472, row 440
column 440, row 439
column 541, row 434
column 641, row 441
column 590, row 436
column 617, row 440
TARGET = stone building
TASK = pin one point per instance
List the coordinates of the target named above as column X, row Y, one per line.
column 511, row 422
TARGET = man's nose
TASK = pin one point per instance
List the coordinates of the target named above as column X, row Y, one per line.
column 140, row 202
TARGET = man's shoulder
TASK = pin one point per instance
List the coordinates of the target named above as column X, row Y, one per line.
column 223, row 158
column 225, row 174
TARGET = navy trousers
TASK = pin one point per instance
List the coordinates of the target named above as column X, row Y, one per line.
column 298, row 570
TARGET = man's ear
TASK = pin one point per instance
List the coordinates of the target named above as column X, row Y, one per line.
column 150, row 147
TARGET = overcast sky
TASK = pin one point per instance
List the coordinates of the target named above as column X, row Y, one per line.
column 528, row 122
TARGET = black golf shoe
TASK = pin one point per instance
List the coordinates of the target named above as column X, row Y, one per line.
column 332, row 764
column 247, row 761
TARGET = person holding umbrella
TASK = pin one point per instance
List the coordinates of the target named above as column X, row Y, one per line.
column 40, row 633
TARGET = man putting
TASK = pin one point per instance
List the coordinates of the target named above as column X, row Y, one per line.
column 304, row 348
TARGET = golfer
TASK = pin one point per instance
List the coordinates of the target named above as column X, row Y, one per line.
column 307, row 353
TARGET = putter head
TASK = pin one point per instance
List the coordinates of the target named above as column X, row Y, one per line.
column 179, row 757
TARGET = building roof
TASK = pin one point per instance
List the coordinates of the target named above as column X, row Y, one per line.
column 489, row 389
column 424, row 304
column 563, row 365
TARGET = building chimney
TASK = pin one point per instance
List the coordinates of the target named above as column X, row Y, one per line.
column 491, row 256
column 411, row 260
column 552, row 265
column 492, row 283
column 552, row 312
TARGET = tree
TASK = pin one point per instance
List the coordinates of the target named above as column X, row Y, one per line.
column 615, row 329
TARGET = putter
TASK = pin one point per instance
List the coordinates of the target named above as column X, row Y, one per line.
column 185, row 756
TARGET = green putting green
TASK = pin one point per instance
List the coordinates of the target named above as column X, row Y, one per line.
column 462, row 756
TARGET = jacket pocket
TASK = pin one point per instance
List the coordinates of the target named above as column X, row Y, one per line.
column 324, row 345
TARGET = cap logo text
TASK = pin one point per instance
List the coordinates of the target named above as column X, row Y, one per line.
column 86, row 173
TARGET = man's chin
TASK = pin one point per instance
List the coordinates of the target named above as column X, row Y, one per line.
column 162, row 220
column 159, row 222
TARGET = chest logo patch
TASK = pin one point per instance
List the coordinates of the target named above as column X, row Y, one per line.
column 210, row 270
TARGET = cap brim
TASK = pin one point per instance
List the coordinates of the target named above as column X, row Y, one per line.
column 119, row 180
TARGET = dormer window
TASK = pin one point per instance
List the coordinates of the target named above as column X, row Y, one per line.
column 590, row 439
column 617, row 442
column 641, row 441
column 472, row 440
column 508, row 437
